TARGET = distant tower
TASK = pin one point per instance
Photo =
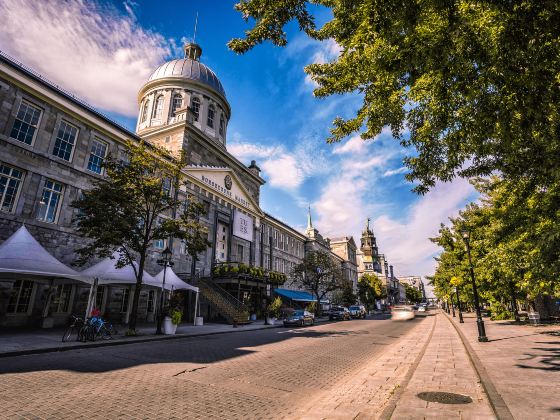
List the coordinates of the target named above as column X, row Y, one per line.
column 368, row 242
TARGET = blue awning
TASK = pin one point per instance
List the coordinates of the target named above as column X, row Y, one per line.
column 297, row 295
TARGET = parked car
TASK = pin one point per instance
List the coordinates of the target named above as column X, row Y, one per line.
column 339, row 313
column 357, row 311
column 299, row 318
column 402, row 313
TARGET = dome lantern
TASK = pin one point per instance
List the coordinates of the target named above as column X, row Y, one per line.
column 192, row 51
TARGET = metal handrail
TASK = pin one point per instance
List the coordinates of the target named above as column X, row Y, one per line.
column 224, row 294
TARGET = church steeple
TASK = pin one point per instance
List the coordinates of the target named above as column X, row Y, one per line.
column 309, row 223
column 368, row 242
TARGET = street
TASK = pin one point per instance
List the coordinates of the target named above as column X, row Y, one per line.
column 255, row 374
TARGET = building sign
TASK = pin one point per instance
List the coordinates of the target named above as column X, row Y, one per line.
column 243, row 226
column 223, row 183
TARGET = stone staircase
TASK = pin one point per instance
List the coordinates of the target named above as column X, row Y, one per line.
column 224, row 303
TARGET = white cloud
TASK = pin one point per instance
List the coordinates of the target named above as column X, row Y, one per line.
column 354, row 145
column 100, row 55
column 285, row 169
column 406, row 243
column 397, row 171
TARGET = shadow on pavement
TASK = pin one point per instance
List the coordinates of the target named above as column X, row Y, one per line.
column 200, row 350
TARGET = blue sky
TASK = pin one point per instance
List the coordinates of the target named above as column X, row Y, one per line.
column 104, row 51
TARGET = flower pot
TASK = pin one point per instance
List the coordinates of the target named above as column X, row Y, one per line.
column 253, row 317
column 199, row 321
column 169, row 328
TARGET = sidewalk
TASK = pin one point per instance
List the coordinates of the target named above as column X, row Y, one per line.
column 522, row 362
column 429, row 359
column 43, row 341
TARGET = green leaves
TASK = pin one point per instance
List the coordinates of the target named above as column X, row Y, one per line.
column 476, row 83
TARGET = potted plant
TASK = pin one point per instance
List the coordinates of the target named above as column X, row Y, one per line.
column 171, row 321
column 273, row 310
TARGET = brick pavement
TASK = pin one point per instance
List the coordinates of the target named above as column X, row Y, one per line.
column 414, row 365
column 523, row 364
column 258, row 374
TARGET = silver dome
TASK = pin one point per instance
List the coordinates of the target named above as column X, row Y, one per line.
column 186, row 68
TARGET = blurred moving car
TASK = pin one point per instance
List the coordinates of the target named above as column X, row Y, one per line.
column 421, row 308
column 299, row 318
column 402, row 313
column 357, row 311
column 339, row 313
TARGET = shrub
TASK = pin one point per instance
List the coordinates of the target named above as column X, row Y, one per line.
column 274, row 307
column 176, row 316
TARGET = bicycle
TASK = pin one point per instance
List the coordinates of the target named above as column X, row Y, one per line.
column 99, row 328
column 76, row 326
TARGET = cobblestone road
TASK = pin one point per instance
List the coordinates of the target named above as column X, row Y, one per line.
column 259, row 374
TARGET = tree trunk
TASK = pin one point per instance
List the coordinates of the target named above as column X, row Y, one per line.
column 513, row 302
column 137, row 290
column 318, row 306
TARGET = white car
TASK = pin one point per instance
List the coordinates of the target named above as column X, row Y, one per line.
column 421, row 308
column 402, row 313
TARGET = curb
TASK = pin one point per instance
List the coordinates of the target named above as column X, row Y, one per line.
column 126, row 341
column 496, row 401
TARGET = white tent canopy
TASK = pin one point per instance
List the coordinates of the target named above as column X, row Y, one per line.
column 21, row 256
column 107, row 273
column 172, row 281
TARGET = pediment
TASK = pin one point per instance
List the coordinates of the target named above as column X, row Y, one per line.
column 223, row 182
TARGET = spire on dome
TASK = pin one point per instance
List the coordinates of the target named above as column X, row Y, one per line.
column 309, row 223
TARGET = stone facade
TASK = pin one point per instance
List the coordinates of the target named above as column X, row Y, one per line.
column 51, row 149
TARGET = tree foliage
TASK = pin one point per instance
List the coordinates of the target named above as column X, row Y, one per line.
column 345, row 296
column 133, row 206
column 515, row 245
column 319, row 273
column 475, row 83
column 413, row 295
column 370, row 289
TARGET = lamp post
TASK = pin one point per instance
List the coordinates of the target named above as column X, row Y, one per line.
column 459, row 305
column 452, row 306
column 164, row 261
column 479, row 322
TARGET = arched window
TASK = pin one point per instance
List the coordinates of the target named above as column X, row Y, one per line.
column 158, row 108
column 195, row 106
column 177, row 103
column 222, row 125
column 145, row 110
column 210, row 119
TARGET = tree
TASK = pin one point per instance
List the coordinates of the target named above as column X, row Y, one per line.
column 370, row 289
column 318, row 273
column 123, row 212
column 474, row 83
column 345, row 296
column 412, row 294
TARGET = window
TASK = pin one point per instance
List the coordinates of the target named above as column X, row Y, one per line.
column 50, row 201
column 61, row 299
column 177, row 104
column 20, row 296
column 158, row 108
column 195, row 106
column 166, row 186
column 160, row 242
column 222, row 124
column 124, row 300
column 145, row 110
column 240, row 253
column 25, row 125
column 10, row 182
column 210, row 119
column 151, row 299
column 97, row 156
column 65, row 140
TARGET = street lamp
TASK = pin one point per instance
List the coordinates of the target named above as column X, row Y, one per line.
column 479, row 322
column 459, row 305
column 164, row 261
column 452, row 306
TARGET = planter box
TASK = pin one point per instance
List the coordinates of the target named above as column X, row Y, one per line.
column 169, row 328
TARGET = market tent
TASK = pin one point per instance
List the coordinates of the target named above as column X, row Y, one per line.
column 21, row 256
column 105, row 272
column 173, row 282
